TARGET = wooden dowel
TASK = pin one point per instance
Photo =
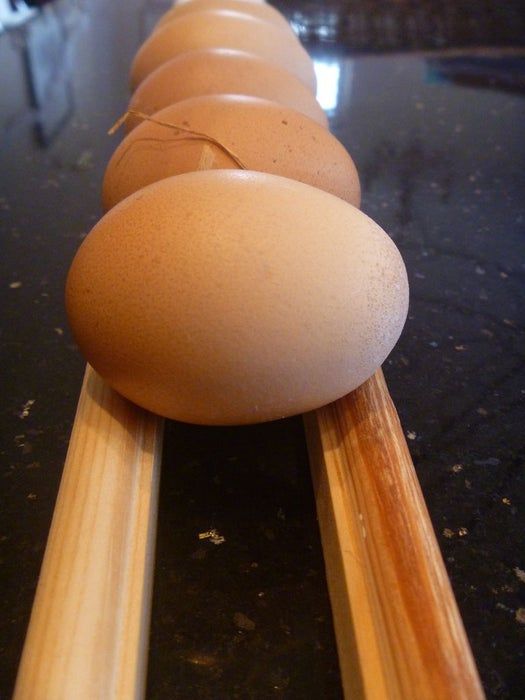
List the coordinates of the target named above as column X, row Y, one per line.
column 399, row 633
column 89, row 628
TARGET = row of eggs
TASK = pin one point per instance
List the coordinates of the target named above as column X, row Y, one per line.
column 233, row 278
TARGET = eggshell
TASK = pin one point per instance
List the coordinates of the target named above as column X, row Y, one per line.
column 256, row 9
column 215, row 71
column 228, row 297
column 263, row 135
column 223, row 29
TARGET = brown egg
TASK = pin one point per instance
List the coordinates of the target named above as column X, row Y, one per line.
column 254, row 133
column 260, row 10
column 215, row 71
column 223, row 29
column 228, row 296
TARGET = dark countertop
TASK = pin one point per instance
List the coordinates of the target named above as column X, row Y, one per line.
column 438, row 141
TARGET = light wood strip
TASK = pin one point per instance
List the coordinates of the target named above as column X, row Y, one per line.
column 88, row 633
column 399, row 633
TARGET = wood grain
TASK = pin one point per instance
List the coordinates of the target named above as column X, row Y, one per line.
column 399, row 633
column 88, row 633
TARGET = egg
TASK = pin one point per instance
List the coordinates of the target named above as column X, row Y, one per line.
column 214, row 71
column 259, row 10
column 231, row 297
column 254, row 134
column 223, row 29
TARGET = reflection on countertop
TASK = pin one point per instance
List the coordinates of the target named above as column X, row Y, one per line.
column 381, row 25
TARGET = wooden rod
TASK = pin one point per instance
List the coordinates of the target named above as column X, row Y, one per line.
column 399, row 633
column 89, row 628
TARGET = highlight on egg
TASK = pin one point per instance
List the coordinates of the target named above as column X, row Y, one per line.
column 229, row 297
column 230, row 131
column 223, row 71
column 223, row 29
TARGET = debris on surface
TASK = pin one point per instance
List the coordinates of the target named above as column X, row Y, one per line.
column 243, row 622
column 212, row 535
column 84, row 161
column 520, row 615
column 520, row 573
column 26, row 408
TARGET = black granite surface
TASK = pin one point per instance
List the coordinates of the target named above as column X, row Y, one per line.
column 438, row 141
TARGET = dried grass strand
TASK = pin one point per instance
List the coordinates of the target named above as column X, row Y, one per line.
column 184, row 130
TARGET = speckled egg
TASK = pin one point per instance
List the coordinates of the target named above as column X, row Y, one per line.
column 223, row 29
column 229, row 297
column 236, row 132
column 226, row 71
